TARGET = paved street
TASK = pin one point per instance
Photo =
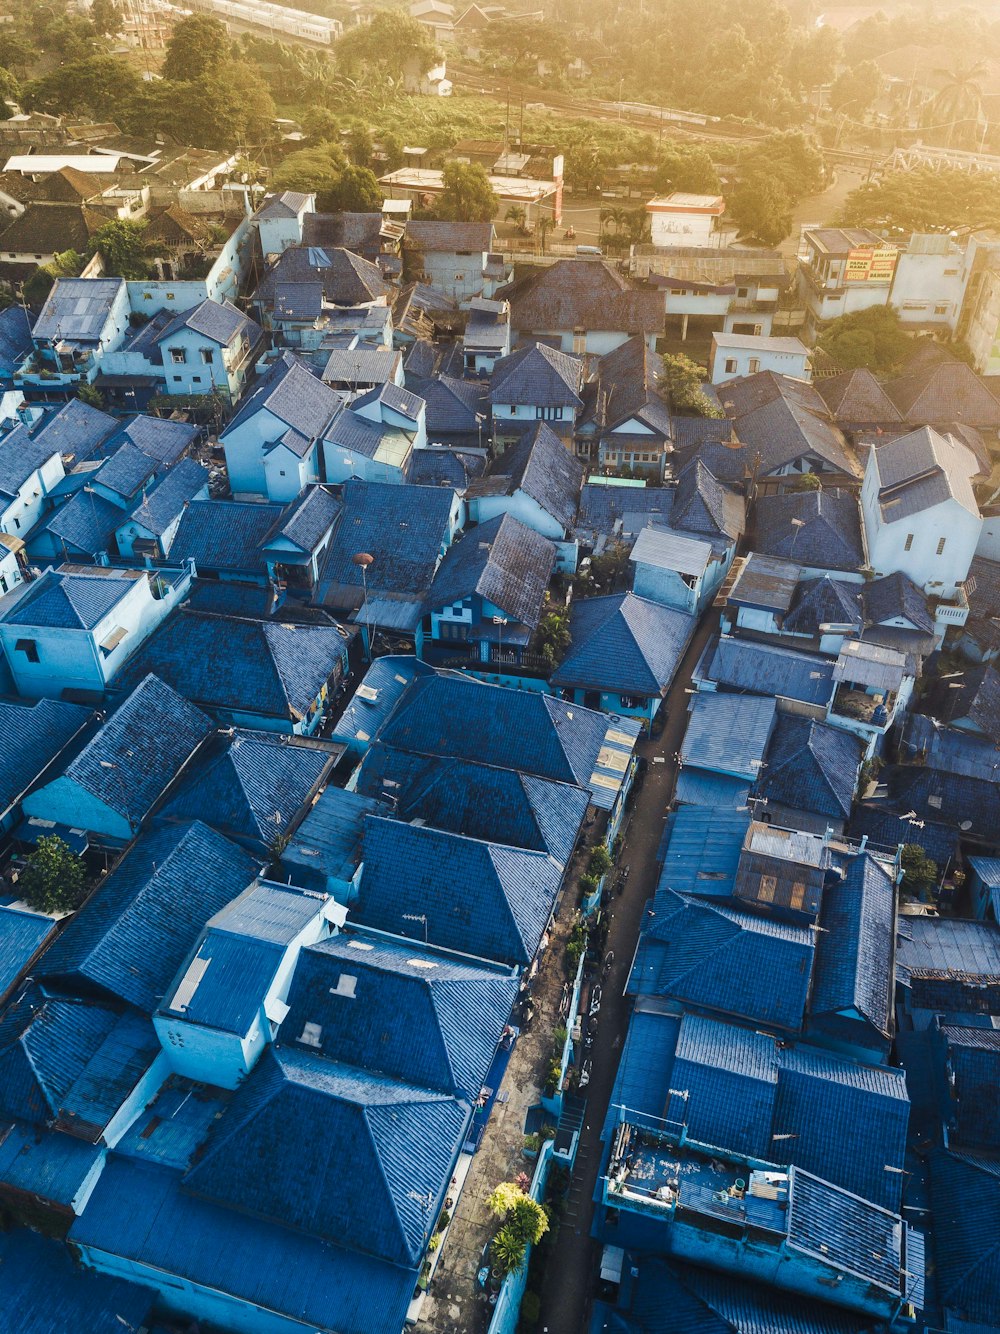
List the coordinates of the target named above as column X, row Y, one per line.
column 571, row 1271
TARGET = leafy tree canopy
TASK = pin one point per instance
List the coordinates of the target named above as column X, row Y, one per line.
column 925, row 201
column 683, row 379
column 467, row 195
column 856, row 88
column 792, row 160
column 54, row 878
column 121, row 245
column 105, row 17
column 104, row 87
column 311, row 170
column 761, row 208
column 393, row 40
column 688, row 169
column 198, row 46
column 873, row 339
column 920, row 873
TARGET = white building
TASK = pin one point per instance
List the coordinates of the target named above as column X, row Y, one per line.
column 919, row 510
column 929, row 281
column 737, row 355
column 845, row 270
column 681, row 219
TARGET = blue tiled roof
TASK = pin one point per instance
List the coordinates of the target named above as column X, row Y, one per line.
column 824, row 602
column 455, row 1012
column 85, row 524
column 385, row 681
column 712, row 956
column 406, row 529
column 514, row 729
column 139, row 750
column 15, row 338
column 21, row 455
column 703, row 504
column 125, row 471
column 515, row 890
column 218, row 320
column 542, row 468
column 602, row 506
column 31, row 737
column 392, row 396
column 228, row 663
column 338, row 1153
column 21, row 935
column 827, row 535
column 226, row 981
column 254, row 790
column 172, row 1127
column 811, row 766
column 159, row 437
column 134, row 933
column 837, row 1228
column 477, row 800
column 68, row 599
column 140, row 1212
column 46, row 1164
column 327, row 844
column 44, row 1292
column 770, row 670
column 703, row 850
column 502, row 561
column 538, row 376
column 450, row 405
column 223, row 597
column 77, row 430
column 624, row 643
column 854, row 954
column 965, row 1196
column 225, row 535
column 974, row 1058
column 71, row 1062
column 728, row 734
column 157, row 509
column 309, row 519
column 292, row 393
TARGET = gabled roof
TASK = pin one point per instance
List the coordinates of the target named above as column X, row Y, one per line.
column 347, row 279
column 358, row 232
column 950, row 392
column 915, row 472
column 515, row 890
column 856, row 398
column 362, row 365
column 85, row 524
column 702, row 504
column 811, row 766
column 823, row 601
column 539, row 376
column 895, row 596
column 133, row 934
column 450, row 237
column 219, row 321
column 32, row 736
column 294, row 395
column 306, row 521
column 625, row 644
column 21, row 455
column 727, row 733
column 159, row 438
column 970, row 698
column 339, row 1153
column 15, row 338
column 713, row 956
column 22, row 935
column 541, row 467
column 662, row 549
column 502, row 561
column 70, row 1062
column 157, row 508
column 232, row 663
column 769, row 669
column 817, row 528
column 577, row 293
column 974, row 1060
column 603, row 507
column 854, row 955
column 70, row 598
column 225, row 535
column 477, row 800
column 76, row 430
column 965, row 1197
column 455, row 1011
column 125, row 471
column 138, row 752
column 451, row 405
column 287, row 204
column 254, row 790
column 784, row 420
column 625, row 388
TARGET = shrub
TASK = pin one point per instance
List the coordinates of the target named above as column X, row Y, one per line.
column 508, row 1252
column 54, row 878
column 600, row 861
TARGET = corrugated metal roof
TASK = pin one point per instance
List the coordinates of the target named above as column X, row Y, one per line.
column 703, row 850
column 870, row 664
column 77, row 309
column 728, row 734
column 697, row 787
column 664, row 550
column 47, row 1164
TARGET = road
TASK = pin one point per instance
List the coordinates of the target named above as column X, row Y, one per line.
column 571, row 1271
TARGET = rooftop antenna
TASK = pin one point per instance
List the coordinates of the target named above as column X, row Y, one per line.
column 363, row 559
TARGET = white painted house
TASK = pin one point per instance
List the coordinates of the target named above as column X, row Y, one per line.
column 681, row 219
column 279, row 220
column 919, row 510
column 737, row 355
column 29, row 469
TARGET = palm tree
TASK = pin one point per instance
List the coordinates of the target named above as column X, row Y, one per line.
column 517, row 215
column 960, row 100
column 545, row 225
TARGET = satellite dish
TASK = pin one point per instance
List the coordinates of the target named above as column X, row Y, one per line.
column 965, row 826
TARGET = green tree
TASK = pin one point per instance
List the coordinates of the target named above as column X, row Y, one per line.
column 65, row 265
column 356, row 191
column 105, row 87
column 873, row 339
column 10, row 91
column 121, row 245
column 553, row 636
column 229, row 107
column 54, row 878
column 856, row 88
column 198, row 47
column 311, row 170
column 920, row 873
column 925, row 201
column 105, row 18
column 320, row 125
column 467, row 195
column 393, row 41
column 392, row 147
column 683, row 379
column 86, row 393
column 761, row 208
column 586, row 164
column 687, row 169
column 791, row 159
column 360, row 146
column 959, row 104
column 507, row 1252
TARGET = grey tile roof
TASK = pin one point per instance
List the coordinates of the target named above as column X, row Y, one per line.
column 784, row 420
column 625, row 644
column 970, row 699
column 538, row 376
column 811, row 767
column 541, row 467
column 163, row 440
column 575, row 293
column 896, row 596
column 951, row 392
column 85, row 524
column 358, row 232
column 854, row 953
column 347, row 279
column 983, row 586
column 308, row 519
column 855, row 398
column 287, row 204
column 602, row 507
column 502, row 561
column 703, row 504
column 292, row 393
column 625, row 387
column 449, row 237
column 21, row 455
column 225, row 536
column 915, row 472
column 220, row 321
column 68, row 599
column 125, row 471
column 441, row 466
column 404, row 402
column 76, row 431
column 295, row 301
column 160, row 506
column 814, row 528
column 452, row 406
column 825, row 601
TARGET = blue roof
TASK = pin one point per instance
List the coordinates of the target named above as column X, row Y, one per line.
column 624, row 643
column 716, row 957
column 701, row 787
column 71, row 1062
column 86, row 524
column 140, row 1212
column 515, row 890
column 226, row 598
column 254, row 790
column 134, row 933
column 76, row 430
column 125, row 471
column 352, row 989
column 219, row 321
column 819, row 528
column 512, row 729
column 375, row 698
column 22, row 934
column 138, row 752
column 825, row 602
column 157, row 509
column 539, row 376
column 172, row 1127
column 949, row 964
column 965, row 1197
column 974, row 1058
column 837, row 1228
column 159, row 437
column 338, row 1153
column 601, row 506
column 15, row 338
column 497, row 805
column 32, row 736
column 767, row 669
column 308, row 520
column 294, row 394
column 21, row 455
column 502, row 561
column 225, row 535
column 70, row 599
column 77, row 309
column 46, row 1164
column 728, row 734
column 703, row 850
column 811, row 767
column 327, row 844
column 232, row 664
column 854, row 954
column 44, row 1292
column 541, row 467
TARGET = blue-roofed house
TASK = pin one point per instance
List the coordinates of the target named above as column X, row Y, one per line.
column 269, row 675
column 984, row 886
column 34, row 738
column 272, row 444
column 72, row 630
column 76, row 430
column 947, row 966
column 133, row 934
column 538, row 480
column 515, row 891
column 375, row 698
column 225, row 538
column 255, row 790
column 81, row 320
column 152, row 524
column 626, row 423
column 296, row 546
column 15, row 341
column 824, row 612
column 748, row 666
column 22, row 936
column 819, row 530
column 487, row 596
column 325, row 853
column 702, row 848
column 676, row 569
column 810, row 775
column 349, row 991
column 874, row 685
column 723, row 749
column 209, row 348
column 972, row 1068
column 487, row 335
column 624, row 653
column 30, row 468
column 536, row 383
column 82, row 529
column 406, row 530
column 851, row 1008
column 374, row 438
column 965, row 1198
column 110, row 787
column 229, row 996
column 280, row 218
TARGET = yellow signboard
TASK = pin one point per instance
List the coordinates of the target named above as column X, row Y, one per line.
column 870, row 265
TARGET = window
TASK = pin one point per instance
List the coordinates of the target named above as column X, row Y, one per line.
column 909, row 542
column 178, row 379
column 730, row 365
column 206, row 355
column 742, row 293
column 798, row 895
column 29, row 648
column 768, row 886
column 513, row 410
column 17, row 523
column 147, row 296
column 196, row 379
column 754, row 365
column 940, row 546
column 548, row 414
column 178, row 356
column 941, row 308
